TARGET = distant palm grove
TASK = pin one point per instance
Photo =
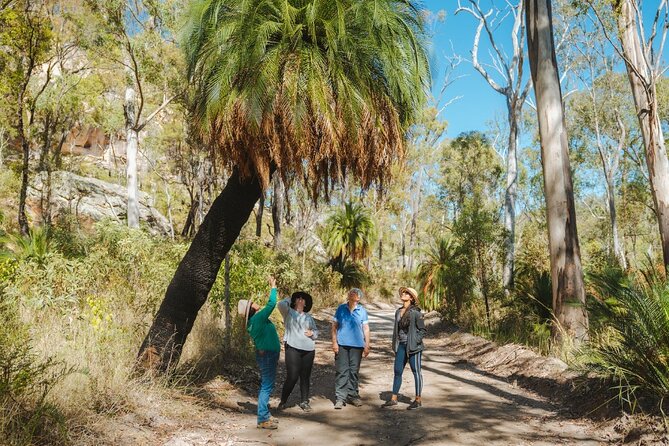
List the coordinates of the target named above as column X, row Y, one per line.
column 159, row 159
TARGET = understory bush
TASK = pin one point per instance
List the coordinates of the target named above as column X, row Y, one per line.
column 26, row 379
column 630, row 333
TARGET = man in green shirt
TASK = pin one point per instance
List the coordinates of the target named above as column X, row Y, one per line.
column 266, row 341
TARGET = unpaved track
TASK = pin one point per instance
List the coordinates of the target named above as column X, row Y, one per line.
column 461, row 406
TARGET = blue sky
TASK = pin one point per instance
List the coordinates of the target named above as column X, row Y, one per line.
column 479, row 104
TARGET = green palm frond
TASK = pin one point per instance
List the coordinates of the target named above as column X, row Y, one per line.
column 636, row 317
column 34, row 247
column 445, row 276
column 350, row 233
column 325, row 86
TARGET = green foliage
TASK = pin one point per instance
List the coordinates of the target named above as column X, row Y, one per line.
column 120, row 262
column 34, row 247
column 446, row 277
column 26, row 417
column 349, row 232
column 352, row 273
column 468, row 189
column 527, row 314
column 631, row 345
column 331, row 93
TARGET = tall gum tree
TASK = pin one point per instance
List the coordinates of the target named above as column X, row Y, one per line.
column 565, row 257
column 515, row 89
column 644, row 69
column 311, row 87
column 642, row 54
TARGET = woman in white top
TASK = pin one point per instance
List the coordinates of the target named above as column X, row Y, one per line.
column 300, row 346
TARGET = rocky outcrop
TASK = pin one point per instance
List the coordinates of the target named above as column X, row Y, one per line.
column 92, row 199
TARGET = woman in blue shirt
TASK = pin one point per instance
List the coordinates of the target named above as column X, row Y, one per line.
column 350, row 343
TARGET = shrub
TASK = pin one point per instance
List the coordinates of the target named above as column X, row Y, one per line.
column 631, row 343
column 26, row 417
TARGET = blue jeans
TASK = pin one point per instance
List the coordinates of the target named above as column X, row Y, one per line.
column 414, row 360
column 267, row 361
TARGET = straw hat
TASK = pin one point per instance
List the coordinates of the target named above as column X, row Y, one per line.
column 308, row 301
column 413, row 293
column 243, row 308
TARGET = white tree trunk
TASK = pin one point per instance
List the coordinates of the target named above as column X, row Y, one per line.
column 132, row 141
column 510, row 197
column 643, row 83
column 565, row 258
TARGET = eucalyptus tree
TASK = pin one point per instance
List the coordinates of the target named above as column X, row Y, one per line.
column 319, row 88
column 565, row 257
column 642, row 48
column 25, row 45
column 644, row 69
column 134, row 35
column 424, row 145
column 601, row 118
column 507, row 78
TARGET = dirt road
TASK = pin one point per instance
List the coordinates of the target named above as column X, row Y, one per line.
column 461, row 406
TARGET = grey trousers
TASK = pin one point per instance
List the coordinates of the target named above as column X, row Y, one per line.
column 347, row 364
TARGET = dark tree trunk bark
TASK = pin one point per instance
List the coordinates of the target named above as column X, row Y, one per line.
column 189, row 225
column 277, row 210
column 261, row 210
column 197, row 272
column 228, row 315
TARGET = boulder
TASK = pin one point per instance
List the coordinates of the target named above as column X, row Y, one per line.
column 92, row 199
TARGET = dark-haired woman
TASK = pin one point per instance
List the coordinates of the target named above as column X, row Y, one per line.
column 408, row 345
column 300, row 346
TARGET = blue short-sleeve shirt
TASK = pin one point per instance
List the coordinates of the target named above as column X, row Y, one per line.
column 349, row 325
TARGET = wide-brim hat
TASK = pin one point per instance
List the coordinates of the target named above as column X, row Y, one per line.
column 413, row 293
column 243, row 308
column 308, row 301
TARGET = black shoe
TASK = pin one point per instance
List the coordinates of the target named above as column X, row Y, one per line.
column 281, row 406
column 390, row 403
column 304, row 405
column 415, row 405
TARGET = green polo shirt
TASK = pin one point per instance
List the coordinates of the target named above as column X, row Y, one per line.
column 262, row 330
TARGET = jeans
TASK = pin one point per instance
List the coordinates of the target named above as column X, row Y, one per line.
column 267, row 361
column 347, row 363
column 298, row 366
column 415, row 361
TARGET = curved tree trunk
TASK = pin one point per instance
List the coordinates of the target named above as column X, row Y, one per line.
column 197, row 272
column 565, row 256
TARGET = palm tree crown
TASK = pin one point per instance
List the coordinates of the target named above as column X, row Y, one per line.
column 350, row 233
column 322, row 86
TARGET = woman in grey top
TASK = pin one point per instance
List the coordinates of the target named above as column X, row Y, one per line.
column 300, row 346
column 408, row 336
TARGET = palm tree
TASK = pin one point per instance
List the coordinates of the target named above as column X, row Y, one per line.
column 350, row 233
column 319, row 88
column 349, row 236
column 445, row 276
